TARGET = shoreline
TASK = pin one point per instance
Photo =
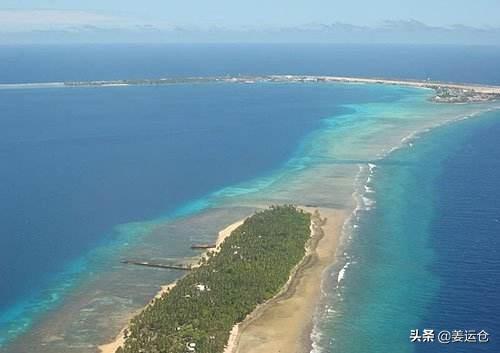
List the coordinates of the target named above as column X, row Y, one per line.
column 238, row 329
column 271, row 327
column 293, row 78
column 285, row 322
column 118, row 341
column 404, row 142
column 482, row 88
column 261, row 332
column 303, row 286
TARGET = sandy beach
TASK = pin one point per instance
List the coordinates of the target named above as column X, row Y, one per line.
column 284, row 323
column 479, row 88
column 422, row 84
column 118, row 341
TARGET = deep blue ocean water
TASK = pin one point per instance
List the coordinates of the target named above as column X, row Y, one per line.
column 75, row 163
column 466, row 235
column 78, row 162
column 34, row 63
column 426, row 256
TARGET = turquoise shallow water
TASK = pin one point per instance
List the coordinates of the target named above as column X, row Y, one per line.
column 87, row 171
column 355, row 126
column 82, row 162
column 424, row 248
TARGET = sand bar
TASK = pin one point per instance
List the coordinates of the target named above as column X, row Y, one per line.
column 487, row 89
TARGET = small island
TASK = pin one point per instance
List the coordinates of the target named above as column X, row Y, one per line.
column 251, row 266
column 445, row 92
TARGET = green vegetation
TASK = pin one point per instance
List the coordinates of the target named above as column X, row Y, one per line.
column 254, row 263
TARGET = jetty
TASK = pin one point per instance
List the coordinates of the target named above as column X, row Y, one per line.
column 158, row 265
column 203, row 246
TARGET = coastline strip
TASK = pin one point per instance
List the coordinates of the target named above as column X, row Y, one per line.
column 479, row 88
column 253, row 265
column 118, row 341
column 284, row 323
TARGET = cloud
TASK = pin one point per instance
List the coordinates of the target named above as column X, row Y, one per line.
column 42, row 26
column 393, row 31
column 23, row 20
column 61, row 20
column 406, row 25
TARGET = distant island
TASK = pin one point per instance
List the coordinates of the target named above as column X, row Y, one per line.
column 251, row 266
column 446, row 92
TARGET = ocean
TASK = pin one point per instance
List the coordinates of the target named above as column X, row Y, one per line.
column 94, row 175
column 49, row 63
column 424, row 255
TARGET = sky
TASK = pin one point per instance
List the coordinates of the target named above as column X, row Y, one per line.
column 250, row 19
